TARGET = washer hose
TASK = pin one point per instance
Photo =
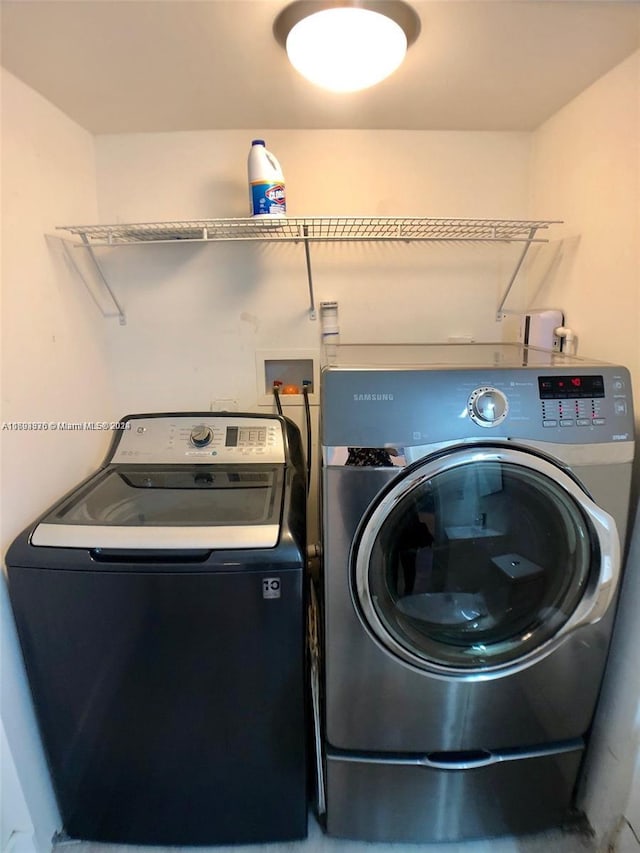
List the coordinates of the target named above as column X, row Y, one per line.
column 307, row 414
column 276, row 394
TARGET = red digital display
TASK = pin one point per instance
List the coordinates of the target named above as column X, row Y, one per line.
column 565, row 387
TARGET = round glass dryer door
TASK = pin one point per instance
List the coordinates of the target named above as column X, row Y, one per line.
column 482, row 559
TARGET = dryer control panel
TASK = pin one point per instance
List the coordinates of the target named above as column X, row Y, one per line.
column 579, row 400
column 197, row 438
column 411, row 407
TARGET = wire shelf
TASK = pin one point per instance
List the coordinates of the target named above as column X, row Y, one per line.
column 309, row 230
column 315, row 229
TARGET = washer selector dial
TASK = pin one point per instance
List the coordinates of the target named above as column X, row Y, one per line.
column 201, row 436
column 488, row 406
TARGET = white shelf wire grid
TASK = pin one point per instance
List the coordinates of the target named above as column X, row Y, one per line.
column 294, row 229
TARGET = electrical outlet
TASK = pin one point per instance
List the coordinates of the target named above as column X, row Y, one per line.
column 224, row 404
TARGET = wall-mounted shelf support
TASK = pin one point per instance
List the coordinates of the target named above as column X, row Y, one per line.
column 307, row 255
column 500, row 315
column 315, row 229
column 117, row 311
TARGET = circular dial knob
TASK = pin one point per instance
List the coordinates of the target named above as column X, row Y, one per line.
column 488, row 407
column 201, row 436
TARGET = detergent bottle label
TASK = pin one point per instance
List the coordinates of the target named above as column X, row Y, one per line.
column 268, row 198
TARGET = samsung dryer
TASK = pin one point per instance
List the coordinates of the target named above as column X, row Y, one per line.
column 160, row 607
column 475, row 502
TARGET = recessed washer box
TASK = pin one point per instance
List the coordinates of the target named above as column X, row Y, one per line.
column 291, row 367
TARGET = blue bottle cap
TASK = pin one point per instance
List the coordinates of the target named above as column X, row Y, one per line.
column 257, row 141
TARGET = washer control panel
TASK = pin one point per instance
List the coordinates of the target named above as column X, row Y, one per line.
column 179, row 439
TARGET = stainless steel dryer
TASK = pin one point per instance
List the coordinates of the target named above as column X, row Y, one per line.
column 475, row 502
column 161, row 611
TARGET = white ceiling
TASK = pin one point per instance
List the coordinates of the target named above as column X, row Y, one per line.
column 119, row 66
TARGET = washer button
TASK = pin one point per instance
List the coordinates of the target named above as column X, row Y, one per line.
column 550, row 423
column 566, row 423
column 583, row 422
column 598, row 421
column 620, row 407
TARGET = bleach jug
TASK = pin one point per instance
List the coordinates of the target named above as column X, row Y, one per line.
column 267, row 195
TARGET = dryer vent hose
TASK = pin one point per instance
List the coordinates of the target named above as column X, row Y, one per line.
column 569, row 338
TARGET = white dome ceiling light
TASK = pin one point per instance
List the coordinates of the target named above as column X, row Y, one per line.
column 346, row 45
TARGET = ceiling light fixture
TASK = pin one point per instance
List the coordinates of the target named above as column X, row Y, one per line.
column 346, row 45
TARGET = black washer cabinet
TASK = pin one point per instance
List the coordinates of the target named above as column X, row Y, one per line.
column 160, row 608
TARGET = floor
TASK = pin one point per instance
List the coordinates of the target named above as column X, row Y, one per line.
column 555, row 841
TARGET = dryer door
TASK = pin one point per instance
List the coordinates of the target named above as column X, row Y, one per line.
column 480, row 560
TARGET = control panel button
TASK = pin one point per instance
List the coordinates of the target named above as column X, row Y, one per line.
column 566, row 423
column 598, row 421
column 550, row 423
column 620, row 407
column 583, row 422
column 488, row 407
column 201, row 436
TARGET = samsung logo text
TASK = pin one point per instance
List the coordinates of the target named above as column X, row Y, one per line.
column 360, row 398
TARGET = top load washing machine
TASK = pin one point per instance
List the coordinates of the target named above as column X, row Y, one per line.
column 161, row 612
column 475, row 502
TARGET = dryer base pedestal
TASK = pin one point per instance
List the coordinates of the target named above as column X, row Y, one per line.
column 395, row 799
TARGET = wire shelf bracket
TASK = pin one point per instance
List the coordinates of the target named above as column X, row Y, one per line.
column 313, row 230
column 103, row 285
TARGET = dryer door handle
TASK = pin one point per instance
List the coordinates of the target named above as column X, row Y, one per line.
column 595, row 604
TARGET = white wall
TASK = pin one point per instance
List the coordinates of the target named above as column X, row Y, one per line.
column 586, row 169
column 195, row 316
column 15, row 821
column 53, row 369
